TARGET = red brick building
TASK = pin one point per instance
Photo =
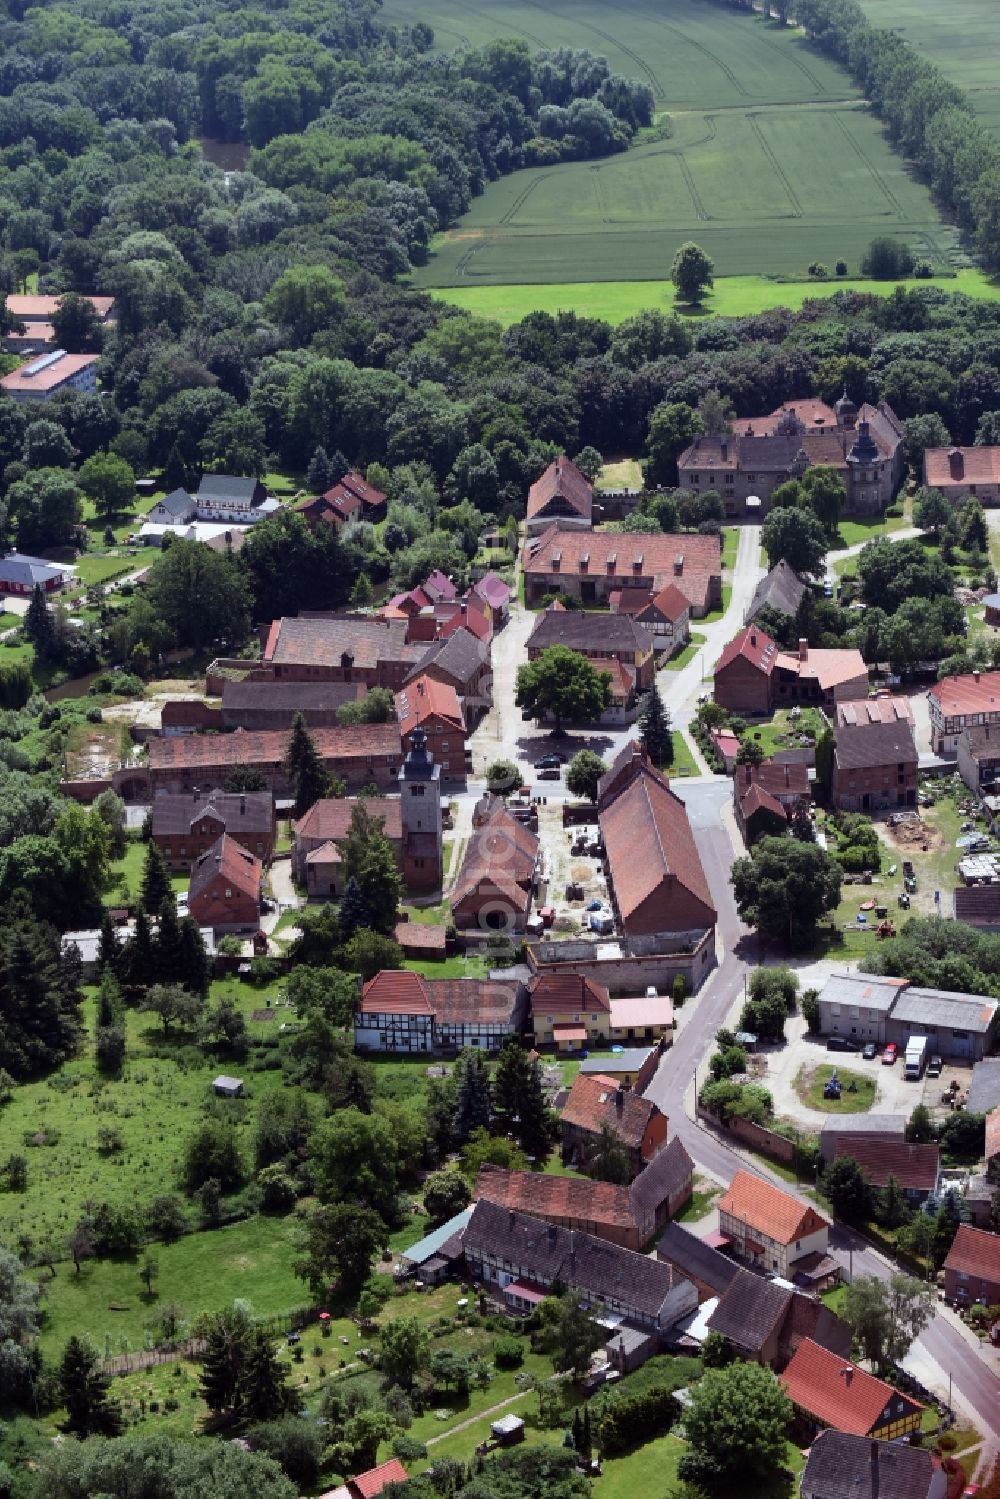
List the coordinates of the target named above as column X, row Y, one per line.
column 592, row 565
column 360, row 755
column 562, row 495
column 341, row 648
column 972, row 1269
column 433, row 706
column 184, row 826
column 595, row 1100
column 496, row 881
column 874, row 767
column 225, row 888
column 754, row 676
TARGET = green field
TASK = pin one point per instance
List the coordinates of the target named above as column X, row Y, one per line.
column 733, row 296
column 962, row 38
column 774, row 160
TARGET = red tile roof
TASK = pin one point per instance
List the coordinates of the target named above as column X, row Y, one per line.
column 331, row 817
column 562, row 479
column 561, row 994
column 669, row 604
column 501, row 853
column 376, row 1479
column 957, row 697
column 575, row 1197
column 50, row 376
column 838, row 1393
column 975, row 1252
column 913, row 1166
column 396, row 991
column 944, row 467
column 628, row 556
column 267, row 746
column 354, row 488
column 238, row 867
column 752, row 645
column 828, row 668
column 42, row 307
column 758, row 800
column 426, row 697
column 650, row 848
column 774, row 778
column 593, row 1100
column 761, row 1206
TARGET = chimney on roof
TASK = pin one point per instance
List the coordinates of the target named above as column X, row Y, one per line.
column 803, row 649
column 243, row 805
column 612, row 560
column 975, row 675
column 619, row 1100
column 679, row 565
column 956, row 463
column 552, row 1235
column 847, row 1374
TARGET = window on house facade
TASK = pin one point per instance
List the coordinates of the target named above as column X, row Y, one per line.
column 229, row 895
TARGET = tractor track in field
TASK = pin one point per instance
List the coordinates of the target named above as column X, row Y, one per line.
column 776, row 166
column 877, row 177
column 606, row 36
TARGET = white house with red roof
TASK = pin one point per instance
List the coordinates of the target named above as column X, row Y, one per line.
column 959, row 703
column 964, row 473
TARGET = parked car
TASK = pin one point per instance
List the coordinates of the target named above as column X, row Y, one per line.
column 889, row 1055
column 934, row 1067
column 549, row 762
column 869, row 1050
column 549, row 773
column 842, row 1043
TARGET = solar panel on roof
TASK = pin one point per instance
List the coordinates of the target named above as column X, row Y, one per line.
column 37, row 365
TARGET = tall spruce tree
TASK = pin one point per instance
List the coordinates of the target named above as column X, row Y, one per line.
column 155, row 880
column 353, row 910
column 38, row 625
column 655, row 730
column 305, row 768
column 109, row 1026
column 263, row 1391
column 369, row 860
column 84, row 1390
column 139, row 956
column 472, row 1095
column 194, row 970
column 167, row 946
column 518, row 1101
column 223, row 1359
column 318, row 473
column 108, row 949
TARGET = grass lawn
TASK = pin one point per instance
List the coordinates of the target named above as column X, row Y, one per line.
column 730, row 545
column 784, row 731
column 700, row 1203
column 851, row 532
column 714, row 614
column 620, row 473
column 92, row 569
column 834, row 1299
column 458, row 966
column 686, row 653
column 810, row 1082
column 648, row 1470
column 684, row 761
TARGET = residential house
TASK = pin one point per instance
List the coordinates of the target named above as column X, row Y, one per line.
column 498, row 874
column 462, row 661
column 370, row 1484
column 603, row 639
column 765, row 797
column 45, row 376
column 654, row 871
column 229, row 497
column 591, row 566
column 495, row 595
column 916, row 1168
column 768, row 1227
column 644, row 1017
column 360, row 755
column 746, row 466
column 978, row 756
column 401, row 1011
column 890, row 1128
column 432, row 706
column 524, row 1258
column 667, row 613
column 316, row 857
column 36, row 312
column 351, row 498
column 628, row 1216
column 843, row 1465
column 874, row 767
column 184, row 825
column 959, row 1027
column 963, row 473
column 562, row 496
column 781, row 590
column 341, row 648
column 634, row 1067
column 20, row 574
column 882, row 708
column 252, row 704
column 697, row 1260
column 959, row 703
column 857, row 1005
column 972, row 1269
column 594, row 1101
column 569, row 1011
column 828, row 1390
column 439, row 620
column 753, row 676
column 766, row 1322
column 225, row 888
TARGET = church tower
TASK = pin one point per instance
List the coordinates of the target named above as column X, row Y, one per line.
column 420, row 795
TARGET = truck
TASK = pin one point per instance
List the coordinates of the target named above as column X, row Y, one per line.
column 916, row 1056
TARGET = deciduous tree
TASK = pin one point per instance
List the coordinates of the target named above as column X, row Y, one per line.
column 563, row 683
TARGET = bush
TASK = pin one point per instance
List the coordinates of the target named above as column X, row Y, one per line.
column 508, row 1352
column 408, row 1449
column 296, row 1446
column 631, row 1419
column 278, row 1193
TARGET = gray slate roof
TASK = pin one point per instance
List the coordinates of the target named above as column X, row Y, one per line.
column 862, row 989
column 245, row 813
column 584, row 631
column 27, row 571
column 781, row 589
column 844, row 1466
column 458, row 657
column 872, row 745
column 692, row 1256
column 665, row 1174
column 750, row 1310
column 178, row 502
column 941, row 1007
column 984, row 1090
column 229, row 488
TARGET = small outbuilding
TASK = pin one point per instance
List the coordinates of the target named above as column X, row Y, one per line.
column 227, row 1087
column 508, row 1431
column 992, row 605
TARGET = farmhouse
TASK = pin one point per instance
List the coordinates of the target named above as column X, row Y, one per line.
column 831, row 1391
column 184, row 825
column 844, row 1465
column 745, row 466
column 768, row 1227
column 654, row 870
column 595, row 1101
column 400, row 1011
column 916, row 1168
column 523, row 1257
column 766, row 1322
column 351, row 498
column 766, row 795
column 667, row 613
column 225, row 887
column 603, row 639
column 497, row 878
column 20, row 574
column 591, row 566
column 340, row 648
column 562, row 496
column 781, row 590
column 462, row 661
column 964, row 473
column 960, row 703
column 44, row 377
column 629, row 1216
column 874, row 766
column 432, row 706
column 359, row 755
column 753, row 676
column 972, row 1269
column 569, row 1011
column 316, row 857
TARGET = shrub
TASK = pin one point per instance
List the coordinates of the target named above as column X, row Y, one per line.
column 296, row 1446
column 631, row 1419
column 508, row 1352
column 408, row 1449
column 277, row 1189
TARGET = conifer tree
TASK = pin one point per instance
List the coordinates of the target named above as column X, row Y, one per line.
column 139, row 955
column 84, row 1391
column 108, row 950
column 193, row 968
column 318, row 473
column 175, row 473
column 305, row 768
column 167, row 947
column 518, row 1101
column 472, row 1095
column 38, row 626
column 353, row 910
column 369, row 860
column 109, row 1028
column 155, row 880
column 222, row 1361
column 655, row 730
column 264, row 1392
